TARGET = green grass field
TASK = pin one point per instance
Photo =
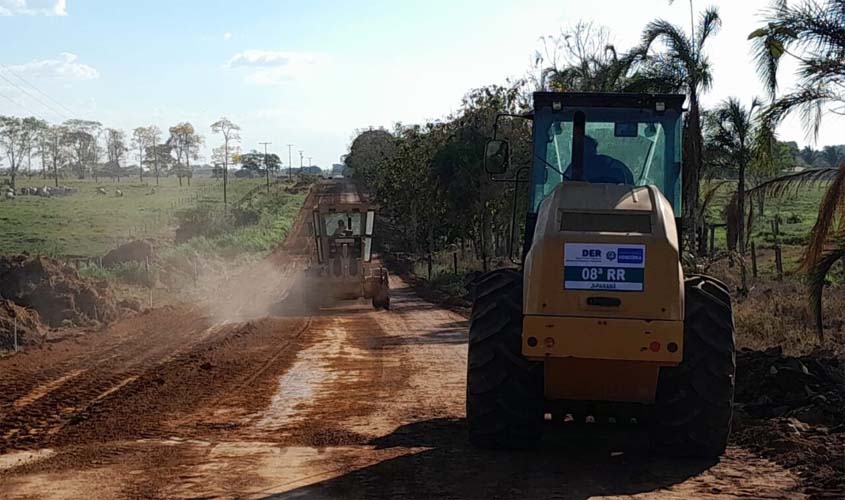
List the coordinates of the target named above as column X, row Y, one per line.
column 797, row 213
column 89, row 224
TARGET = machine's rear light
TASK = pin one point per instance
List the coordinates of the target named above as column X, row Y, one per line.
column 654, row 346
column 556, row 106
column 660, row 106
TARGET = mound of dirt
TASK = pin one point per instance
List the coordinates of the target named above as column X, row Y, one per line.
column 792, row 410
column 26, row 321
column 134, row 251
column 56, row 291
column 299, row 187
column 809, row 388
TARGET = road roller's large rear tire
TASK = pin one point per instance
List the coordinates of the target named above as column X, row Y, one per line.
column 504, row 400
column 693, row 407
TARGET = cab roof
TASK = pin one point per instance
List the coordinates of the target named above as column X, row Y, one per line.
column 608, row 100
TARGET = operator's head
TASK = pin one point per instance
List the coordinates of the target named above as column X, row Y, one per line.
column 591, row 146
column 341, row 224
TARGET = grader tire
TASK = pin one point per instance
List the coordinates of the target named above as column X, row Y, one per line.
column 504, row 399
column 693, row 407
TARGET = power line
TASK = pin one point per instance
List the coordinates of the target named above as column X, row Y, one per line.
column 51, row 108
column 45, row 94
column 16, row 103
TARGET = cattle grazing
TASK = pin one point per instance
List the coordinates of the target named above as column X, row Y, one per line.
column 101, row 191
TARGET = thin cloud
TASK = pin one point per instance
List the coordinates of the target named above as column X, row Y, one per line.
column 64, row 67
column 227, row 36
column 33, row 7
column 274, row 67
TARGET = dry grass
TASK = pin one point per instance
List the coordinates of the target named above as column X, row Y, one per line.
column 778, row 313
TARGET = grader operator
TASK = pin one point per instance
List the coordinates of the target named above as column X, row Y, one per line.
column 342, row 266
column 600, row 321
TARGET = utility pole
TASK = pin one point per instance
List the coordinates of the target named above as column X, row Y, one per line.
column 266, row 167
column 309, row 162
column 55, row 159
column 300, row 161
column 290, row 163
column 155, row 155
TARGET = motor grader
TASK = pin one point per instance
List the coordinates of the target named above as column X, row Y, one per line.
column 342, row 266
column 599, row 324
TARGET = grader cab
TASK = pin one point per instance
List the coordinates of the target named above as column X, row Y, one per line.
column 342, row 267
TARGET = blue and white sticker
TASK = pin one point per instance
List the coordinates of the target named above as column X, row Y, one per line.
column 603, row 266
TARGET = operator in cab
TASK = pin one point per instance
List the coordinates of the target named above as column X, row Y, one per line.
column 602, row 168
column 340, row 230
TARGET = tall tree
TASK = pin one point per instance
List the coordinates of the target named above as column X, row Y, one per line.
column 186, row 144
column 581, row 58
column 808, row 155
column 141, row 139
column 812, row 33
column 80, row 137
column 230, row 132
column 736, row 138
column 155, row 138
column 158, row 158
column 832, row 155
column 32, row 127
column 115, row 150
column 13, row 141
column 685, row 53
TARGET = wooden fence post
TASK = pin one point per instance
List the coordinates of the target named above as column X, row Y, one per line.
column 455, row 262
column 712, row 240
column 779, row 262
column 429, row 266
column 753, row 260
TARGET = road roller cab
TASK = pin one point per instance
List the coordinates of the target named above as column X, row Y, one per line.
column 600, row 321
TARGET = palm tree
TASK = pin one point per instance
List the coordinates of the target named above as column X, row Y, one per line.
column 684, row 53
column 808, row 154
column 813, row 33
column 737, row 137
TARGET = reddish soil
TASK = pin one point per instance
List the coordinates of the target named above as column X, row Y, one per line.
column 243, row 397
column 56, row 291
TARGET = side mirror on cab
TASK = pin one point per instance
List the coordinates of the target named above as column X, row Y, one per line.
column 496, row 156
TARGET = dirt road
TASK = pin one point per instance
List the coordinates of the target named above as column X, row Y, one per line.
column 248, row 399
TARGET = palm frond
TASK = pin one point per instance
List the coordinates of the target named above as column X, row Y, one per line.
column 708, row 25
column 785, row 185
column 674, row 38
column 813, row 33
column 830, row 221
column 817, row 279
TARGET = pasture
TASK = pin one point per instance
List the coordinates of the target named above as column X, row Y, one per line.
column 87, row 223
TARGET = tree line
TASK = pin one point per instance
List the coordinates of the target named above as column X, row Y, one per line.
column 429, row 177
column 85, row 148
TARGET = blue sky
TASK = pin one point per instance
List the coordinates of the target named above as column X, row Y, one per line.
column 311, row 73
